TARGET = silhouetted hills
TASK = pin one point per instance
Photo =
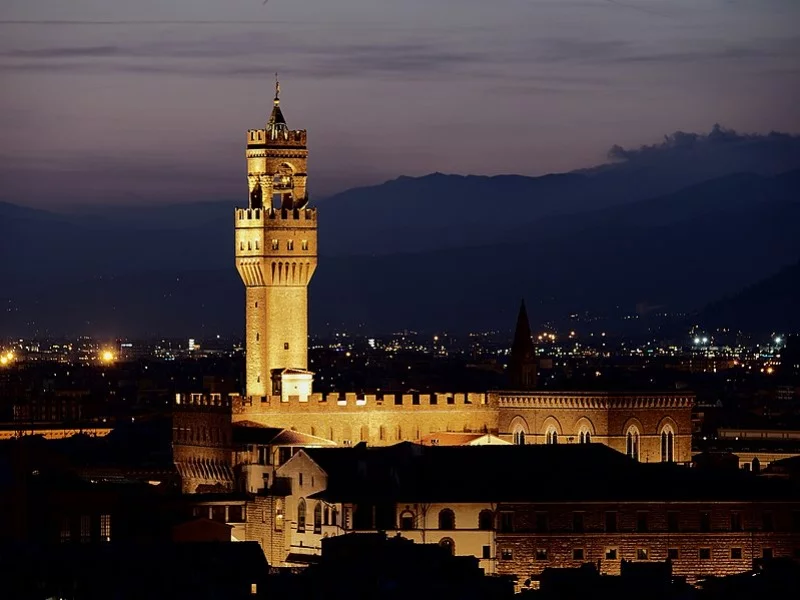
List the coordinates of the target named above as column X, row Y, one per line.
column 772, row 304
column 433, row 252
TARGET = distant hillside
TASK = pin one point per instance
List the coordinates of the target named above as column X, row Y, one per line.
column 682, row 251
column 444, row 211
column 772, row 304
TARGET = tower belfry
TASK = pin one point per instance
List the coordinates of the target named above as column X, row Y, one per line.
column 276, row 254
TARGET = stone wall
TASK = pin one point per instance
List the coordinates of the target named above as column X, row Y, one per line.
column 517, row 549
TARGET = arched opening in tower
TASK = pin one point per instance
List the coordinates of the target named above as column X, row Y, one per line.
column 283, row 187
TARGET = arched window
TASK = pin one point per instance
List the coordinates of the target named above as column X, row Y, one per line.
column 278, row 515
column 449, row 544
column 486, row 520
column 519, row 437
column 301, row 516
column 407, row 520
column 447, row 519
column 318, row 518
column 551, row 437
column 327, row 516
column 632, row 445
column 667, row 445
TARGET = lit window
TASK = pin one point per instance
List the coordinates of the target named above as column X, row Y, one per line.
column 506, row 554
column 611, row 554
column 632, row 446
column 667, row 445
column 449, row 544
column 275, row 244
column 290, row 245
column 641, row 554
column 304, row 244
column 86, row 528
column 105, row 528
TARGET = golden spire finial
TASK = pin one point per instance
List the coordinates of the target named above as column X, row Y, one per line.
column 277, row 90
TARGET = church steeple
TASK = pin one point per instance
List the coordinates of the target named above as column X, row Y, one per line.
column 522, row 360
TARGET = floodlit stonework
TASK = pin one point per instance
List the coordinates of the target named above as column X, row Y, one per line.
column 276, row 254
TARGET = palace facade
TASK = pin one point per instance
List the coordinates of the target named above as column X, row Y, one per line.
column 276, row 255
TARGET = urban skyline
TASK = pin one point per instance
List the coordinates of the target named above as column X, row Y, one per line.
column 540, row 387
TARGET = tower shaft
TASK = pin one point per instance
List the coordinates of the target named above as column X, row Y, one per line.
column 276, row 254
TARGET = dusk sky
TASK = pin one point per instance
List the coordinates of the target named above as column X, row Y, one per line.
column 113, row 102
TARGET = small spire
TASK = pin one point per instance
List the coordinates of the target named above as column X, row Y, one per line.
column 522, row 344
column 277, row 100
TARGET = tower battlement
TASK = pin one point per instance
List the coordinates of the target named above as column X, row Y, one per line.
column 261, row 139
column 351, row 401
column 261, row 217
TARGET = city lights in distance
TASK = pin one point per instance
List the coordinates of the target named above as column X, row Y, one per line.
column 107, row 356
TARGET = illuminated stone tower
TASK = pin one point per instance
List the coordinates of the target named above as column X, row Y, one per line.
column 276, row 254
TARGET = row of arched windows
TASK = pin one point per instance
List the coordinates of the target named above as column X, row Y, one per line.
column 447, row 520
column 632, row 440
column 551, row 436
column 667, row 443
